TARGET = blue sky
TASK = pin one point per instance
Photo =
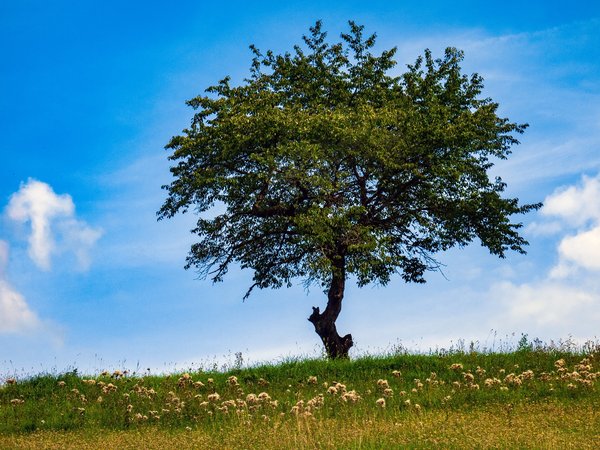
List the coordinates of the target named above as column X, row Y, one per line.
column 92, row 91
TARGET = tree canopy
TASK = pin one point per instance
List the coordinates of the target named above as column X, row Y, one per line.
column 325, row 163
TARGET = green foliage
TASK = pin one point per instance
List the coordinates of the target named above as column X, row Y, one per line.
column 322, row 155
column 176, row 401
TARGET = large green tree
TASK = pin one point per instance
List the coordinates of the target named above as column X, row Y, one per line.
column 323, row 164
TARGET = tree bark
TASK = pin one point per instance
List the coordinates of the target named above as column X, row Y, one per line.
column 336, row 346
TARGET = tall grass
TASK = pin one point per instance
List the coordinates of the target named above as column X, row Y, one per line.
column 370, row 400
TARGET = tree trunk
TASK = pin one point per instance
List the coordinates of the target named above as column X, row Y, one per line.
column 336, row 346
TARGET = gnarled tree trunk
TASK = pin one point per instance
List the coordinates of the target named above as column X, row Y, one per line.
column 336, row 346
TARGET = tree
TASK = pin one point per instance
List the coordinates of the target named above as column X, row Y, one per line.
column 325, row 166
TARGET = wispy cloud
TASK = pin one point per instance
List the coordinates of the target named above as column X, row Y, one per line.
column 49, row 214
column 15, row 314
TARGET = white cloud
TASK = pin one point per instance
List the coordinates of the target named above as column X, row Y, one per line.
column 578, row 207
column 15, row 315
column 567, row 299
column 575, row 204
column 547, row 303
column 583, row 249
column 37, row 204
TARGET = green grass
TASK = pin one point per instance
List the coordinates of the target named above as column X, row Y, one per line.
column 298, row 402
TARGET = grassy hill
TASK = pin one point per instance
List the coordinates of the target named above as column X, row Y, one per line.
column 527, row 398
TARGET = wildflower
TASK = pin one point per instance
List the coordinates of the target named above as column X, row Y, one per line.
column 99, row 399
column 129, row 407
column 527, row 375
column 474, row 386
column 414, row 390
column 559, row 363
column 388, row 392
column 456, row 367
column 380, row 402
column 232, row 381
column 252, row 399
column 396, row 373
column 89, row 382
column 571, row 386
column 117, row 374
column 432, row 380
column 491, row 382
column 11, row 381
column 418, row 407
column 456, row 384
column 469, row 378
column 312, row 379
column 264, row 397
column 340, row 387
column 583, row 367
column 17, row 401
column 402, row 393
column 350, row 396
column 262, row 382
column 407, row 402
column 295, row 410
column 214, row 397
column 316, row 402
column 512, row 379
column 383, row 384
column 61, row 383
column 544, row 376
column 198, row 384
column 75, row 391
column 210, row 381
column 81, row 411
column 229, row 403
column 184, row 379
column 109, row 388
column 188, row 428
column 332, row 390
column 479, row 371
column 504, row 388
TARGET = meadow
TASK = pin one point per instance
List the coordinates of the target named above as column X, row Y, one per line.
column 525, row 398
